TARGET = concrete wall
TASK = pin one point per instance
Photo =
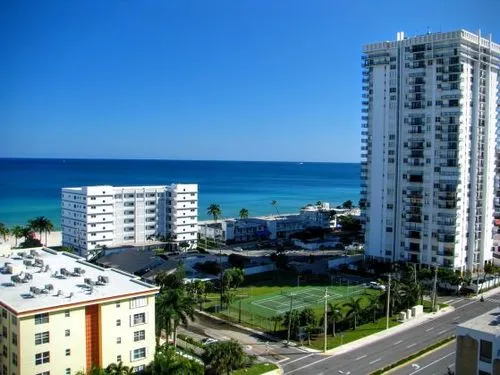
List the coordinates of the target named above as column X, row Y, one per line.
column 259, row 269
column 334, row 263
column 467, row 356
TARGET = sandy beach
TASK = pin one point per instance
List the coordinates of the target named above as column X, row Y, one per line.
column 53, row 239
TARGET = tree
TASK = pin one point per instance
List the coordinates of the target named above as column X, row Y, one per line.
column 184, row 245
column 347, row 205
column 349, row 223
column 42, row 225
column 354, row 309
column 173, row 308
column 275, row 204
column 214, row 211
column 118, row 369
column 223, row 357
column 308, row 318
column 335, row 315
column 293, row 319
column 374, row 304
column 276, row 319
column 168, row 361
column 4, row 231
column 319, row 203
column 244, row 213
column 233, row 278
column 167, row 281
column 18, row 232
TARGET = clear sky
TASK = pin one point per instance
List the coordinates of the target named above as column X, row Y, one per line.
column 207, row 79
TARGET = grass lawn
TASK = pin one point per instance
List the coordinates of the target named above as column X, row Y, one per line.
column 259, row 368
column 350, row 335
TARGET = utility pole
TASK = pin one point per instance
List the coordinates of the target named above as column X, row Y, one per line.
column 289, row 320
column 388, row 302
column 325, row 320
column 434, row 291
column 415, row 273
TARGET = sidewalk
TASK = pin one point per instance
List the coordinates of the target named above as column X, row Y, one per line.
column 388, row 332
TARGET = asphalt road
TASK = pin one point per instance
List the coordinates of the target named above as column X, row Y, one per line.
column 392, row 348
column 434, row 363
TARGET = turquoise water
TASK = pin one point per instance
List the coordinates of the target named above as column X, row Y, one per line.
column 31, row 187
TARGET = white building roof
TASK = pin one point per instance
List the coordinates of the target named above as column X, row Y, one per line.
column 21, row 274
column 488, row 323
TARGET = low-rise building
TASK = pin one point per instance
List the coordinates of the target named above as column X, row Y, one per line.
column 61, row 314
column 94, row 217
column 478, row 345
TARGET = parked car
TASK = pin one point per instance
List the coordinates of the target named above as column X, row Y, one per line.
column 375, row 285
column 239, row 249
column 208, row 341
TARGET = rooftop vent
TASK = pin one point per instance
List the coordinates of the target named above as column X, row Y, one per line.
column 102, row 280
column 34, row 253
column 64, row 272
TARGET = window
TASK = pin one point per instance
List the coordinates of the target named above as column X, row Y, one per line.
column 67, row 371
column 139, row 335
column 68, row 352
column 14, row 320
column 139, row 319
column 118, row 358
column 118, row 340
column 485, row 351
column 41, row 358
column 4, row 332
column 4, row 351
column 67, row 333
column 66, row 313
column 42, row 338
column 118, row 304
column 138, row 302
column 14, row 338
column 118, row 322
column 14, row 359
column 44, row 373
column 41, row 318
column 139, row 354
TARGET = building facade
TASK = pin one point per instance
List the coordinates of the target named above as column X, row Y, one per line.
column 61, row 314
column 429, row 127
column 478, row 345
column 98, row 216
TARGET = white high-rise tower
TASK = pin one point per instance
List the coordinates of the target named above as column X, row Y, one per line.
column 429, row 122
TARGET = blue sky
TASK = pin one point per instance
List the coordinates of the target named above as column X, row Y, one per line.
column 224, row 80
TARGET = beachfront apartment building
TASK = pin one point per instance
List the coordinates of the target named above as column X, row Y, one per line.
column 111, row 216
column 429, row 123
column 60, row 314
column 478, row 345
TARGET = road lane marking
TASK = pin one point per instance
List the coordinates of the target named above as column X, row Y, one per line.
column 441, row 332
column 375, row 361
column 398, row 342
column 363, row 356
column 309, row 364
column 432, row 363
column 429, row 329
column 298, row 359
column 448, row 302
column 411, row 345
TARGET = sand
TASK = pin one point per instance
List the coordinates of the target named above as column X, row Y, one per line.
column 53, row 239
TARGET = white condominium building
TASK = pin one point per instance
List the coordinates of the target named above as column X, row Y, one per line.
column 429, row 123
column 61, row 314
column 111, row 216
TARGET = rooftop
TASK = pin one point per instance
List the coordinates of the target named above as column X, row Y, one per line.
column 41, row 279
column 489, row 322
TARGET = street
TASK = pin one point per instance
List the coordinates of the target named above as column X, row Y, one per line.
column 434, row 363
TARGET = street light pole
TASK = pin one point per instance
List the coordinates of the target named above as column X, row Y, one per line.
column 289, row 320
column 434, row 292
column 388, row 302
column 325, row 320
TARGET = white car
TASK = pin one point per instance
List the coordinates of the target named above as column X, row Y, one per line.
column 375, row 285
column 239, row 249
column 208, row 341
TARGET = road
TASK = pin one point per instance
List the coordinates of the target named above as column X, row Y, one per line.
column 392, row 348
column 434, row 363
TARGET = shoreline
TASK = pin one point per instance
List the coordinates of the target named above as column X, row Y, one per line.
column 53, row 239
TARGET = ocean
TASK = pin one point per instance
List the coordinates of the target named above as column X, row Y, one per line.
column 32, row 187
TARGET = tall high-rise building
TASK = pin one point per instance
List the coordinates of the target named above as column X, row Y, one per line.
column 429, row 122
column 111, row 216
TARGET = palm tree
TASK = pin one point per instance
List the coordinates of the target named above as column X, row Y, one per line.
column 223, row 357
column 118, row 369
column 293, row 319
column 168, row 361
column 335, row 315
column 354, row 309
column 214, row 211
column 4, row 231
column 276, row 319
column 243, row 213
column 308, row 318
column 41, row 224
column 173, row 308
column 18, row 232
column 374, row 304
column 275, row 204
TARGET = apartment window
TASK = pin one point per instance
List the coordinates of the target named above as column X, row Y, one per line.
column 68, row 352
column 41, row 318
column 118, row 358
column 44, row 373
column 41, row 358
column 139, row 319
column 138, row 302
column 68, row 371
column 485, row 351
column 118, row 340
column 14, row 338
column 118, row 304
column 14, row 320
column 4, row 351
column 139, row 354
column 118, row 322
column 4, row 332
column 14, row 359
column 67, row 333
column 4, row 313
column 139, row 335
column 42, row 338
column 66, row 313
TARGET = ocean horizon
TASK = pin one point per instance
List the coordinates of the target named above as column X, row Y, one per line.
column 31, row 187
